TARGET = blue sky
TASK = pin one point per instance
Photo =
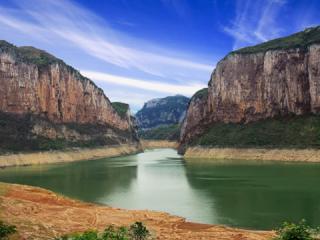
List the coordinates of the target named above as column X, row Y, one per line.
column 137, row 50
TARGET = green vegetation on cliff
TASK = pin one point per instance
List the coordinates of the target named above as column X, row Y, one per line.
column 298, row 40
column 16, row 134
column 281, row 132
column 170, row 132
column 121, row 108
column 200, row 94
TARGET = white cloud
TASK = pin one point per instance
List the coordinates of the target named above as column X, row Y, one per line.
column 255, row 22
column 149, row 85
column 56, row 19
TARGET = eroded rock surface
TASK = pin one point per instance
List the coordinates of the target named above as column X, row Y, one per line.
column 260, row 82
column 55, row 96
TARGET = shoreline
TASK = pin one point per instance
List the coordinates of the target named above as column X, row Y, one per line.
column 150, row 144
column 42, row 214
column 68, row 155
column 259, row 154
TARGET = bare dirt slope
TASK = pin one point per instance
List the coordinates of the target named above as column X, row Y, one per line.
column 41, row 214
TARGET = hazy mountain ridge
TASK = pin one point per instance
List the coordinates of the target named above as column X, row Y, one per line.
column 162, row 112
column 160, row 118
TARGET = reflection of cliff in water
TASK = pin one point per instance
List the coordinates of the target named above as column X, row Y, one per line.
column 85, row 180
column 259, row 196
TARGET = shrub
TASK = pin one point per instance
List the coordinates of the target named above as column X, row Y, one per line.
column 6, row 230
column 139, row 231
column 111, row 233
column 299, row 231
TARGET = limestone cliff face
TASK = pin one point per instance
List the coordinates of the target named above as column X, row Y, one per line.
column 265, row 81
column 34, row 83
column 195, row 119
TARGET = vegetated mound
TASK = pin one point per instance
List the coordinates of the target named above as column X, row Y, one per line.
column 121, row 108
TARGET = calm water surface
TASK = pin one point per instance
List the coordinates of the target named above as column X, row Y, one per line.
column 243, row 194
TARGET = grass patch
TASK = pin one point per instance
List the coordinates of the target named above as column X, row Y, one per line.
column 171, row 132
column 121, row 108
column 287, row 132
column 203, row 93
column 298, row 40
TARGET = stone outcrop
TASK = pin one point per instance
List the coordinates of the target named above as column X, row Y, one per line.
column 55, row 99
column 277, row 78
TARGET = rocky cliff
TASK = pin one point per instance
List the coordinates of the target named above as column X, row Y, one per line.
column 43, row 100
column 277, row 78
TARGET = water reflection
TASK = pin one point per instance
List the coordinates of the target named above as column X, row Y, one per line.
column 258, row 195
column 244, row 194
column 88, row 180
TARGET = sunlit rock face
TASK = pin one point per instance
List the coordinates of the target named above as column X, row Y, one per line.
column 57, row 96
column 249, row 85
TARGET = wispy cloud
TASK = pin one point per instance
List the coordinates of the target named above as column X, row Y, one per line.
column 70, row 22
column 143, row 84
column 67, row 24
column 255, row 22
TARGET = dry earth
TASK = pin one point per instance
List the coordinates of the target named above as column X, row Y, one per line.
column 286, row 155
column 41, row 214
column 158, row 144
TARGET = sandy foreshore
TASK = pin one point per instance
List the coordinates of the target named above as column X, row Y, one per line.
column 41, row 214
column 149, row 144
column 292, row 155
column 70, row 155
column 77, row 154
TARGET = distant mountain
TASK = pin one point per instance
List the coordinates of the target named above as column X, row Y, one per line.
column 160, row 118
column 162, row 112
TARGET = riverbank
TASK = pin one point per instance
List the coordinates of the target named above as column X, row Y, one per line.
column 158, row 144
column 41, row 214
column 292, row 155
column 69, row 155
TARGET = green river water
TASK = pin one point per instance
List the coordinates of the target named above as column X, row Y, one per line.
column 258, row 195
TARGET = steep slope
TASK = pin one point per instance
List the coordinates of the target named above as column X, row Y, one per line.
column 45, row 104
column 280, row 78
column 161, row 118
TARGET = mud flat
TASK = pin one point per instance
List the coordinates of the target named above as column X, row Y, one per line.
column 41, row 214
column 70, row 155
column 292, row 155
column 159, row 144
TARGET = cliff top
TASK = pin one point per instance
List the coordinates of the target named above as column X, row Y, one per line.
column 200, row 94
column 298, row 40
column 29, row 54
column 40, row 58
column 120, row 108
